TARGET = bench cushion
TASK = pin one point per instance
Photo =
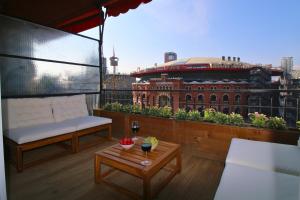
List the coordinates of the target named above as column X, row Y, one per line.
column 38, row 132
column 240, row 182
column 70, row 107
column 26, row 112
column 88, row 121
column 264, row 155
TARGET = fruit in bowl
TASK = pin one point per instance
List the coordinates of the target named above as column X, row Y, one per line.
column 153, row 141
column 126, row 143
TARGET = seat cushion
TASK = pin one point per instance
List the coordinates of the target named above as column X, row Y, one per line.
column 264, row 155
column 246, row 183
column 38, row 132
column 25, row 112
column 88, row 121
column 69, row 107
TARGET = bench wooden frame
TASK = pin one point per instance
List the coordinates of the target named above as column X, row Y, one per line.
column 73, row 137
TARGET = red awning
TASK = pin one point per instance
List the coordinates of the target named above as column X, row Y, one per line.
column 70, row 15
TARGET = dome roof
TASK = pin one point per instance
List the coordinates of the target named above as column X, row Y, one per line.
column 199, row 60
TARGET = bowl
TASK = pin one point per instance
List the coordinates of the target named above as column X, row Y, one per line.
column 127, row 146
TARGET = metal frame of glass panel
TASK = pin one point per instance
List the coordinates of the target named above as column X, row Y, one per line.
column 32, row 57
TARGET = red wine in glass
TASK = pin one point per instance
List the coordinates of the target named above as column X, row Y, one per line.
column 146, row 147
column 135, row 127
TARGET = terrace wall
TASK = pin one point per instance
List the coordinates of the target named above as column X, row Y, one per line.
column 206, row 140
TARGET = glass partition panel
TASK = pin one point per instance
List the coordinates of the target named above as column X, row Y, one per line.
column 28, row 77
column 21, row 38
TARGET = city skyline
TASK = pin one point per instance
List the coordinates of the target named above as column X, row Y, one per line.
column 256, row 31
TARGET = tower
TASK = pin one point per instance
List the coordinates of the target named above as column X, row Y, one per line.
column 114, row 61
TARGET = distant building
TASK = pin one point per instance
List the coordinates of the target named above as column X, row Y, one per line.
column 104, row 66
column 198, row 83
column 287, row 64
column 290, row 99
column 170, row 56
column 119, row 81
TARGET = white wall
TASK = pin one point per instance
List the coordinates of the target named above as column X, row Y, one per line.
column 2, row 166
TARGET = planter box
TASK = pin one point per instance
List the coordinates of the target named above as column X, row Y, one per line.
column 203, row 139
column 118, row 118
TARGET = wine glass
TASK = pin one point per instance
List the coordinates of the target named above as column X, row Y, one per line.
column 135, row 127
column 146, row 147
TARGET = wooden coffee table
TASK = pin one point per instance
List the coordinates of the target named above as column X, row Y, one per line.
column 129, row 161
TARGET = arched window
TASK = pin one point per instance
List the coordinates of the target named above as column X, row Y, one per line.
column 213, row 98
column 237, row 99
column 200, row 98
column 225, row 98
column 188, row 98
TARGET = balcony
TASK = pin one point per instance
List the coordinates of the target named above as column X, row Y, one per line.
column 65, row 175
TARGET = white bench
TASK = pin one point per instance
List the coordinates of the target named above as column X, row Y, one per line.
column 34, row 122
column 260, row 170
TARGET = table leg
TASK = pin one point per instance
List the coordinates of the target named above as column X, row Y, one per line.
column 178, row 161
column 97, row 169
column 147, row 188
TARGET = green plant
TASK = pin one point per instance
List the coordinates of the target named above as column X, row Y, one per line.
column 145, row 111
column 127, row 108
column 236, row 119
column 194, row 115
column 209, row 114
column 107, row 107
column 165, row 112
column 220, row 118
column 298, row 124
column 136, row 109
column 181, row 114
column 276, row 123
column 117, row 107
column 258, row 120
column 154, row 111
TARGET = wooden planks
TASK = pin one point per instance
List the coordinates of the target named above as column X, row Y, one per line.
column 71, row 178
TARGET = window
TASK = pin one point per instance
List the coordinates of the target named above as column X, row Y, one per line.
column 200, row 98
column 213, row 98
column 188, row 98
column 225, row 98
column 237, row 99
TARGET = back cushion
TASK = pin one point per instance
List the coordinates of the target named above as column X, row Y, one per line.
column 26, row 112
column 69, row 107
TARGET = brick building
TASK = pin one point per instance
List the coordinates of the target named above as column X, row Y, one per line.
column 198, row 83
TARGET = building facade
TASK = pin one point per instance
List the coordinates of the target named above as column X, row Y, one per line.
column 199, row 83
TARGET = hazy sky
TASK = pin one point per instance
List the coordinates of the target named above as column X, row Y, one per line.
column 258, row 31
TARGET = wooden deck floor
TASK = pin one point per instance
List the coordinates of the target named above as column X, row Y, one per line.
column 72, row 177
